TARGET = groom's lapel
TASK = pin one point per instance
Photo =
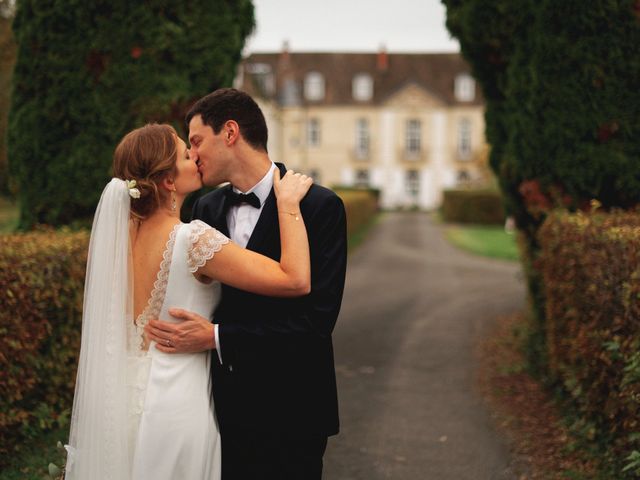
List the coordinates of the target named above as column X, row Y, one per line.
column 268, row 221
column 220, row 215
column 266, row 224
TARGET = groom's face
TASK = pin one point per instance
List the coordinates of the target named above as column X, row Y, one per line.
column 209, row 151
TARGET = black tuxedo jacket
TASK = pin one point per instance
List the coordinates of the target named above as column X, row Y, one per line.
column 277, row 370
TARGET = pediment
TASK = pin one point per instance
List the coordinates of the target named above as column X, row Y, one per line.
column 413, row 95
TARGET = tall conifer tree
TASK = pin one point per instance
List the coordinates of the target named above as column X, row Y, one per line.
column 88, row 71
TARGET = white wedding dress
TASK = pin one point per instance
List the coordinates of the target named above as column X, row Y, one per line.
column 173, row 431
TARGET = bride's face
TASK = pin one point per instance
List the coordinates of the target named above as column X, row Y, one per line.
column 187, row 178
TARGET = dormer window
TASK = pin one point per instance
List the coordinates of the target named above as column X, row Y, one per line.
column 362, row 87
column 262, row 75
column 465, row 88
column 314, row 87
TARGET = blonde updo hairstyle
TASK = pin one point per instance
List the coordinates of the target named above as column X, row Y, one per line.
column 147, row 155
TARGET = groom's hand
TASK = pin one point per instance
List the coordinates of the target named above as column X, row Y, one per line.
column 193, row 334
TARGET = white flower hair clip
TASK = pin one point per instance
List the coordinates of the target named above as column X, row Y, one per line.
column 133, row 191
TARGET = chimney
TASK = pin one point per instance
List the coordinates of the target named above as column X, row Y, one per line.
column 284, row 54
column 383, row 59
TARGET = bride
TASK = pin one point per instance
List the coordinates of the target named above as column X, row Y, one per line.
column 139, row 413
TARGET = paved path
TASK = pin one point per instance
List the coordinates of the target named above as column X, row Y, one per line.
column 414, row 307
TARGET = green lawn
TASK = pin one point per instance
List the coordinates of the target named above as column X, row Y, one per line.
column 8, row 215
column 488, row 241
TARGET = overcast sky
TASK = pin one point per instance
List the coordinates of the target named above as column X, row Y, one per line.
column 351, row 25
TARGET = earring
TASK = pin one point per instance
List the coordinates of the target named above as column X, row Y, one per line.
column 173, row 200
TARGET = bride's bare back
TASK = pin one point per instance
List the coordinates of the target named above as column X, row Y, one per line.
column 148, row 246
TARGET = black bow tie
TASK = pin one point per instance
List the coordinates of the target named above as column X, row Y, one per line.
column 234, row 198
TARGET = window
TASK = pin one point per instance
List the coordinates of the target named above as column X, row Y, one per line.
column 463, row 178
column 290, row 93
column 314, row 87
column 412, row 145
column 362, row 87
column 315, row 175
column 313, row 132
column 465, row 88
column 412, row 183
column 464, row 139
column 262, row 75
column 362, row 138
column 362, row 178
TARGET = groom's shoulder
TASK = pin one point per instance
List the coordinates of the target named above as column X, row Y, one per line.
column 205, row 206
column 319, row 196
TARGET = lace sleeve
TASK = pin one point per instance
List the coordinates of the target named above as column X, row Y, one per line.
column 204, row 242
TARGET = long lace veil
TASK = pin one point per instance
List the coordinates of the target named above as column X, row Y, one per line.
column 98, row 446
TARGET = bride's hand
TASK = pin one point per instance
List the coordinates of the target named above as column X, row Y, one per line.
column 291, row 188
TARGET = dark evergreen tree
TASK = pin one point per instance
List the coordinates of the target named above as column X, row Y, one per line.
column 7, row 60
column 563, row 107
column 496, row 38
column 88, row 71
column 563, row 121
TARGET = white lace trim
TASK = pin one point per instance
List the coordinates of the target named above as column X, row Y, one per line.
column 152, row 310
column 204, row 241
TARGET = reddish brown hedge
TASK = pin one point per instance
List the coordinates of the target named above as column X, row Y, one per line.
column 591, row 273
column 41, row 280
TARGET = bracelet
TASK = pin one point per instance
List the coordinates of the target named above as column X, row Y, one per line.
column 293, row 214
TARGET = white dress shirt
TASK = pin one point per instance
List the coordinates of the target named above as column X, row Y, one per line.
column 242, row 219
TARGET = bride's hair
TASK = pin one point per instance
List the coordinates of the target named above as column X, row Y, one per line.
column 147, row 155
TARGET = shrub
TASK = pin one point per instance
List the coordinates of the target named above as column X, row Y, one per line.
column 473, row 206
column 360, row 205
column 590, row 266
column 41, row 280
column 561, row 118
column 89, row 71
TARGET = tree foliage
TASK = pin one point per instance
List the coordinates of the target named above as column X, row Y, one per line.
column 563, row 107
column 88, row 71
column 7, row 61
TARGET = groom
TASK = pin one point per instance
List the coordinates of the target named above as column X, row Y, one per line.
column 272, row 375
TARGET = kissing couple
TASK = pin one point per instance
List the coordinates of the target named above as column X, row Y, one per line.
column 206, row 346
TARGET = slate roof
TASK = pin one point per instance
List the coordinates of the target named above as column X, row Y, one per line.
column 435, row 72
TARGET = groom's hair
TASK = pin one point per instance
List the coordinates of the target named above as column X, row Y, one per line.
column 231, row 104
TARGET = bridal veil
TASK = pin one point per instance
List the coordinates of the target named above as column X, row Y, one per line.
column 98, row 444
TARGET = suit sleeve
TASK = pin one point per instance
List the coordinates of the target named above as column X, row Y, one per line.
column 314, row 315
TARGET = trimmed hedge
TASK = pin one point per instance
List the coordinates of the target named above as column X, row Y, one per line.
column 590, row 266
column 473, row 206
column 42, row 284
column 41, row 280
column 360, row 206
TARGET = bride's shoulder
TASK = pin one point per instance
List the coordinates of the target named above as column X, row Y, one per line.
column 196, row 229
column 198, row 226
column 202, row 242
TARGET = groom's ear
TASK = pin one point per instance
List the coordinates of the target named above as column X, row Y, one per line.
column 231, row 131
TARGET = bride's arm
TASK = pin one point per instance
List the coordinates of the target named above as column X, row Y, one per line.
column 250, row 271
